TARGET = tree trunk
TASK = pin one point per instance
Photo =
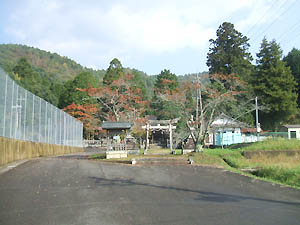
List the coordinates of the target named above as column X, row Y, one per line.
column 198, row 147
column 199, row 144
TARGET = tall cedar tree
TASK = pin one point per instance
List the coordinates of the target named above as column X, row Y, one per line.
column 228, row 53
column 274, row 85
column 293, row 61
column 114, row 72
column 166, row 82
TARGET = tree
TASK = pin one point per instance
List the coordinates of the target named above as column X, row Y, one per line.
column 119, row 101
column 114, row 72
column 166, row 82
column 274, row 85
column 137, row 81
column 71, row 95
column 87, row 115
column 27, row 77
column 212, row 99
column 293, row 61
column 228, row 53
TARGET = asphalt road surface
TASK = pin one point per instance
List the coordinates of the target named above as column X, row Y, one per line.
column 70, row 191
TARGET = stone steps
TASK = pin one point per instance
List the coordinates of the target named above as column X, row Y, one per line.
column 160, row 161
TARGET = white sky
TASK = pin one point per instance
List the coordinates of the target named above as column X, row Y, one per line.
column 146, row 35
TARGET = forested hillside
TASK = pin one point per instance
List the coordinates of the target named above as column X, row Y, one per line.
column 48, row 75
column 45, row 63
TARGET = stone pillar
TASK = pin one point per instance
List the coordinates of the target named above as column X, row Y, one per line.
column 147, row 135
column 171, row 137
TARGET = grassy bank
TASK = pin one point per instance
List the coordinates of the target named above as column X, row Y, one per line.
column 269, row 145
column 280, row 168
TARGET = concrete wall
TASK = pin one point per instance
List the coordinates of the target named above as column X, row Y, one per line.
column 13, row 150
column 297, row 130
column 116, row 154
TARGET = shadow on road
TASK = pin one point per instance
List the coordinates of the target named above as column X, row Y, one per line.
column 203, row 195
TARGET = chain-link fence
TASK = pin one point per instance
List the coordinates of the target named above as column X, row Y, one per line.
column 25, row 116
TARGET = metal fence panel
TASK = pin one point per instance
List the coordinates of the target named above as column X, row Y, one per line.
column 3, row 89
column 25, row 116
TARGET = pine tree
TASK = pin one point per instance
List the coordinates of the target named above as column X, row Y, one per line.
column 274, row 85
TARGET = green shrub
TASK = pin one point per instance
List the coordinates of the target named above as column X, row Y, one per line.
column 178, row 151
column 97, row 156
column 141, row 152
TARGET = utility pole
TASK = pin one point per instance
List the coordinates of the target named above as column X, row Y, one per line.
column 257, row 123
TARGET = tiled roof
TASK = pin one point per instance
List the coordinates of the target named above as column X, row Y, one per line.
column 292, row 126
column 116, row 125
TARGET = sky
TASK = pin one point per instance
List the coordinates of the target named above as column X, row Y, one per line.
column 146, row 35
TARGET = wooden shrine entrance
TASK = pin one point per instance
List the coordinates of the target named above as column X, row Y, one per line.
column 160, row 132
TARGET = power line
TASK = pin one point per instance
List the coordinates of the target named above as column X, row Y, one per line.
column 264, row 15
column 291, row 39
column 275, row 20
column 289, row 31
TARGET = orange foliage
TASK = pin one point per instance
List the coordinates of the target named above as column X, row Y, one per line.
column 119, row 101
column 85, row 114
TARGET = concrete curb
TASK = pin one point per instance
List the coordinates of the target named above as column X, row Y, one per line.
column 10, row 166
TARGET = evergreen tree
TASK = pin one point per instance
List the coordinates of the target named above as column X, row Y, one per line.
column 166, row 83
column 274, row 85
column 70, row 94
column 138, row 82
column 27, row 77
column 228, row 53
column 293, row 61
column 114, row 72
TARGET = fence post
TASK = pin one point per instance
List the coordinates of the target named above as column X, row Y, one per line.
column 65, row 121
column 32, row 119
column 24, row 136
column 40, row 115
column 17, row 113
column 60, row 124
column 5, row 102
column 11, row 112
column 46, row 122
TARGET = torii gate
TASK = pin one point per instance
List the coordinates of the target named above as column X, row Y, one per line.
column 161, row 125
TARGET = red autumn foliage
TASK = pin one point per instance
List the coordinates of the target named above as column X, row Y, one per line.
column 86, row 114
column 120, row 100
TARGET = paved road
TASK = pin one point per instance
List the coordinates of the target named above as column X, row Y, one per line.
column 70, row 191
